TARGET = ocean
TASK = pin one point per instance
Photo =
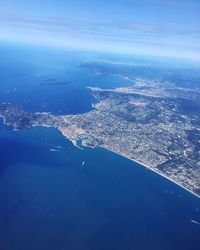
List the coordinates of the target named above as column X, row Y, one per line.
column 54, row 196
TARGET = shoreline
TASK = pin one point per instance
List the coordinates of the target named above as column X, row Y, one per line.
column 153, row 170
column 120, row 154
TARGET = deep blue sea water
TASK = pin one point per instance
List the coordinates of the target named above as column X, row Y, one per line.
column 49, row 201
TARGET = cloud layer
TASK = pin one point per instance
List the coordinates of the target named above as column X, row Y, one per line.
column 116, row 36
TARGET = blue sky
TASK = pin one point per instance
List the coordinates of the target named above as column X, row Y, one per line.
column 143, row 27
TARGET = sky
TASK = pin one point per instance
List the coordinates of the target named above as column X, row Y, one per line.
column 163, row 28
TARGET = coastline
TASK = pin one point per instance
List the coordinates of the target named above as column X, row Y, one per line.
column 120, row 154
column 153, row 170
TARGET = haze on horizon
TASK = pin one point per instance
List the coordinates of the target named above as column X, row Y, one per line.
column 163, row 28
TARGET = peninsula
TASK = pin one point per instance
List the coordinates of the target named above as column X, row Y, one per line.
column 147, row 122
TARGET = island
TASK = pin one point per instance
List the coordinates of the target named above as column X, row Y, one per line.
column 148, row 122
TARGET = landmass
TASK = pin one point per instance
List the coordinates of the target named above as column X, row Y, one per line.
column 156, row 124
